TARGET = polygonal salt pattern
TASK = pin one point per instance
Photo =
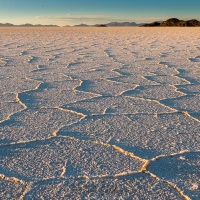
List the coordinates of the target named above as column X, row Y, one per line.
column 35, row 124
column 146, row 136
column 190, row 104
column 67, row 95
column 172, row 80
column 134, row 79
column 54, row 95
column 117, row 105
column 154, row 92
column 105, row 87
column 16, row 85
column 10, row 188
column 138, row 186
column 182, row 170
column 192, row 89
column 64, row 157
column 9, row 108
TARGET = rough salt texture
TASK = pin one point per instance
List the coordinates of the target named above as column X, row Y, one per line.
column 64, row 157
column 138, row 186
column 99, row 113
column 183, row 170
column 11, row 189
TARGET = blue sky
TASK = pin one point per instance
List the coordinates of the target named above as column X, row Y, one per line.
column 70, row 12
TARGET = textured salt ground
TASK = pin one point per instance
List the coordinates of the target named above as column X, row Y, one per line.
column 190, row 89
column 183, row 170
column 137, row 186
column 46, row 76
column 190, row 104
column 146, row 136
column 54, row 94
column 17, row 85
column 192, row 75
column 117, row 105
column 35, row 124
column 142, row 100
column 8, row 108
column 105, row 87
column 9, row 105
column 7, row 97
column 167, row 80
column 134, row 79
column 10, row 188
column 64, row 157
column 154, row 92
column 141, row 67
column 94, row 74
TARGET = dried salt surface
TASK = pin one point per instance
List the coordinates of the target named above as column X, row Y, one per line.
column 9, row 108
column 17, row 85
column 190, row 104
column 183, row 170
column 94, row 74
column 54, row 94
column 192, row 74
column 154, row 92
column 35, row 124
column 64, row 157
column 45, row 76
column 134, row 79
column 117, row 105
column 105, row 87
column 7, row 97
column 123, row 99
column 173, row 80
column 146, row 136
column 10, row 188
column 189, row 89
column 138, row 186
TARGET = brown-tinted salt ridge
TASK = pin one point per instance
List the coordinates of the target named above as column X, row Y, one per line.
column 99, row 113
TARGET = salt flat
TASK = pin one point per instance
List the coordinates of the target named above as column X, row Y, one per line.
column 99, row 113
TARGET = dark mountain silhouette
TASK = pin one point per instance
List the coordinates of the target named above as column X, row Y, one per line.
column 25, row 25
column 152, row 24
column 122, row 24
column 175, row 22
column 6, row 25
column 193, row 22
column 118, row 24
column 81, row 25
column 111, row 24
column 37, row 25
column 101, row 25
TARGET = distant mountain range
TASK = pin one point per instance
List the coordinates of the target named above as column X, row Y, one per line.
column 112, row 24
column 175, row 22
column 80, row 25
column 25, row 25
column 169, row 22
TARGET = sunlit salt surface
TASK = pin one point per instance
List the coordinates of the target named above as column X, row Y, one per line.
column 99, row 113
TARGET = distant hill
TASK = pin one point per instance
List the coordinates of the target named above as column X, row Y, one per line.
column 119, row 24
column 81, row 25
column 101, row 25
column 175, row 22
column 37, row 25
column 6, row 25
column 111, row 24
column 122, row 24
column 25, row 25
column 152, row 24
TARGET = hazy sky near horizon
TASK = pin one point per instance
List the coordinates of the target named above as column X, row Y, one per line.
column 71, row 12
